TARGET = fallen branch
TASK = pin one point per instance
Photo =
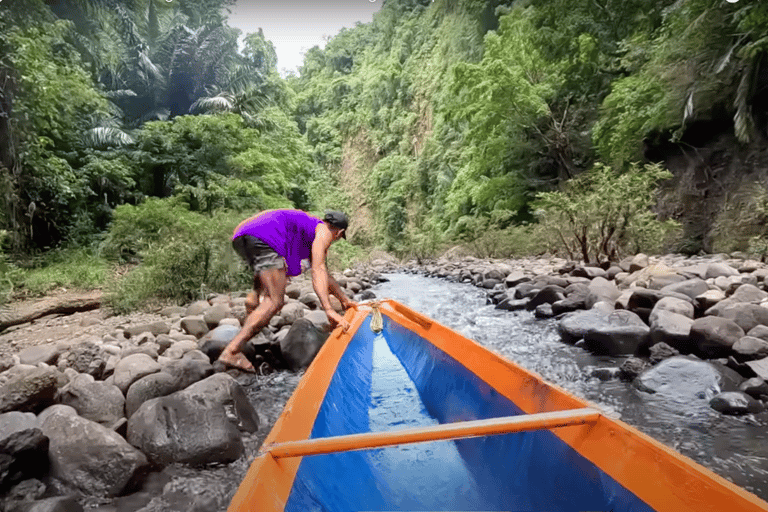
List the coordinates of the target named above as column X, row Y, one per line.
column 28, row 311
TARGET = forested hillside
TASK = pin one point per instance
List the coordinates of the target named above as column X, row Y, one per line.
column 137, row 131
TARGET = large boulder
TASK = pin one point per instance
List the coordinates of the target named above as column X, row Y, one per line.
column 28, row 388
column 148, row 387
column 601, row 290
column 16, row 421
column 547, row 295
column 198, row 425
column 622, row 332
column 714, row 336
column 26, row 456
column 88, row 455
column 573, row 326
column 94, row 400
column 681, row 379
column 673, row 329
column 302, row 343
column 690, row 287
column 746, row 316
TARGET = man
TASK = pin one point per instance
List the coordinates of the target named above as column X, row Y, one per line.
column 273, row 243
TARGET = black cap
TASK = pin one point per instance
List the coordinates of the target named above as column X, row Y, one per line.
column 338, row 220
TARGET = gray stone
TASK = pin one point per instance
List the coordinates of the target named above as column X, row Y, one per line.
column 720, row 270
column 194, row 325
column 749, row 293
column 47, row 354
column 755, row 387
column 589, row 272
column 197, row 308
column 631, row 368
column 681, row 379
column 148, row 387
column 132, row 368
column 661, row 351
column 28, row 389
column 673, row 329
column 515, row 278
column 15, row 421
column 216, row 314
column 301, row 344
column 746, row 316
column 673, row 305
column 319, row 319
column 546, row 295
column 93, row 400
column 172, row 311
column 749, row 348
column 543, row 311
column 89, row 456
column 573, row 326
column 760, row 367
column 155, row 328
column 199, row 425
column 709, row 299
column 54, row 504
column 714, row 336
column 510, row 304
column 601, row 290
column 189, row 369
column 735, row 403
column 213, row 342
column 622, row 332
column 87, row 357
column 759, row 331
column 28, row 451
column 179, row 348
column 690, row 287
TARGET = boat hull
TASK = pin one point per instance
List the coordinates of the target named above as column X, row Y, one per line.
column 417, row 374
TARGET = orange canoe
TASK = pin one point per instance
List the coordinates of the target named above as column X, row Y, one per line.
column 417, row 417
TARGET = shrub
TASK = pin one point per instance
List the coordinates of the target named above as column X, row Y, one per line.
column 741, row 223
column 604, row 214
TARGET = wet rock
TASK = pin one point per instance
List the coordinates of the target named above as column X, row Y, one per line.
column 132, row 368
column 28, row 389
column 714, row 336
column 621, row 332
column 631, row 368
column 661, row 351
column 735, row 403
column 301, row 344
column 573, row 326
column 546, row 295
column 543, row 311
column 93, row 400
column 755, row 387
column 681, row 379
column 199, row 425
column 89, row 456
column 605, row 374
column 509, row 304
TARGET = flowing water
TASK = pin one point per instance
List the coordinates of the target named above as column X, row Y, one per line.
column 734, row 447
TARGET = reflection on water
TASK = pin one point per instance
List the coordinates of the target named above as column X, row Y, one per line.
column 436, row 466
column 734, row 447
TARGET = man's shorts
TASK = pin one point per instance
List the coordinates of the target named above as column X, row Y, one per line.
column 258, row 255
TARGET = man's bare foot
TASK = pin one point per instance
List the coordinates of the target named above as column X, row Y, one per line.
column 237, row 361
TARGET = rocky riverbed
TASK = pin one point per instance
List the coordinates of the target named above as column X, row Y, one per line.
column 94, row 412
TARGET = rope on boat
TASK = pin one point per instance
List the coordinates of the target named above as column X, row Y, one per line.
column 377, row 322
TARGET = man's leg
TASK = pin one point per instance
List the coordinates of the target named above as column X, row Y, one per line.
column 273, row 282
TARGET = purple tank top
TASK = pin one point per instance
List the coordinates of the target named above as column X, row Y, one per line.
column 289, row 232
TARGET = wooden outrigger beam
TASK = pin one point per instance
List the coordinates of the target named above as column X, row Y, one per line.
column 474, row 428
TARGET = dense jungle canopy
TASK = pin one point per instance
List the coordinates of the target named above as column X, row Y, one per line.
column 440, row 122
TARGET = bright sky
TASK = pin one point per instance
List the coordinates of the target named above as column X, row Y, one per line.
column 295, row 26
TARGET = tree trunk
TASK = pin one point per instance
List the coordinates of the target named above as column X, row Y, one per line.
column 68, row 304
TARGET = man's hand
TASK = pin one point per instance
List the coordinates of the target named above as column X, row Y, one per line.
column 350, row 304
column 336, row 319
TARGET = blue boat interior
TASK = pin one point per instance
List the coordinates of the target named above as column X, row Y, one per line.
column 396, row 379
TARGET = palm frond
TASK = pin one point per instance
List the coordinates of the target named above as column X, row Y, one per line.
column 221, row 103
column 105, row 137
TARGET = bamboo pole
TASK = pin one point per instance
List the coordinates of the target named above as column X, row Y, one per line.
column 474, row 428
